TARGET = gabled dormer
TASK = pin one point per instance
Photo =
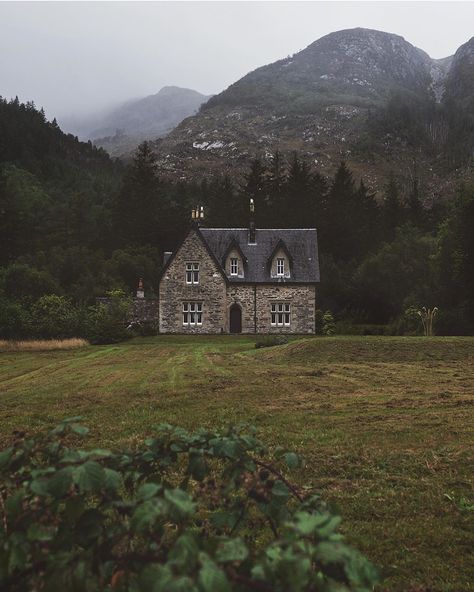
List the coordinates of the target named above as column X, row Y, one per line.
column 280, row 262
column 234, row 261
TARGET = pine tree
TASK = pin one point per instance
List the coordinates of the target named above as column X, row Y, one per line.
column 255, row 187
column 137, row 207
column 392, row 210
column 415, row 208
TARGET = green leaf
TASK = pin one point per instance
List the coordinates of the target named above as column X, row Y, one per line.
column 60, row 483
column 90, row 476
column 232, row 550
column 279, row 489
column 184, row 553
column 222, row 519
column 307, row 523
column 39, row 486
column 5, row 456
column 292, row 460
column 13, row 505
column 147, row 491
column 145, row 515
column 180, row 501
column 212, row 578
column 113, row 480
column 78, row 429
column 40, row 532
column 197, row 467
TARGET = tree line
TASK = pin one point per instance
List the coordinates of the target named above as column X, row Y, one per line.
column 76, row 224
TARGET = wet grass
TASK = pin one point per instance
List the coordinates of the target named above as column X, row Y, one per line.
column 385, row 424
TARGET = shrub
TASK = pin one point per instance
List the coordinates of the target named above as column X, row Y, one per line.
column 203, row 512
column 14, row 320
column 107, row 322
column 329, row 326
column 271, row 340
column 54, row 317
column 318, row 321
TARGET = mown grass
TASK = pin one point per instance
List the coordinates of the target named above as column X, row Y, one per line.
column 385, row 424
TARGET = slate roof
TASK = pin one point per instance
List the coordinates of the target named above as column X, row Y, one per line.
column 301, row 244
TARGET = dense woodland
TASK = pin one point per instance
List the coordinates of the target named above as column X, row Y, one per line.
column 76, row 224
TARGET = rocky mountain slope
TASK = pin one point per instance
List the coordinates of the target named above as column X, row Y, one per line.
column 121, row 129
column 364, row 96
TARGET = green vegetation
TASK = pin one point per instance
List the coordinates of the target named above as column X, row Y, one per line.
column 75, row 224
column 185, row 512
column 384, row 425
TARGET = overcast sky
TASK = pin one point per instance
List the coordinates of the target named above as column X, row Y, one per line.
column 79, row 57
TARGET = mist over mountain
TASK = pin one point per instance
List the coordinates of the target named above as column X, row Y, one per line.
column 367, row 97
column 122, row 128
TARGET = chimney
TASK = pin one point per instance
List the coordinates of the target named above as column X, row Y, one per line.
column 140, row 291
column 252, row 230
column 197, row 215
column 166, row 256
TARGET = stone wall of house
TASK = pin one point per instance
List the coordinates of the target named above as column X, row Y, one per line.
column 244, row 296
column 250, row 299
column 211, row 291
column 301, row 299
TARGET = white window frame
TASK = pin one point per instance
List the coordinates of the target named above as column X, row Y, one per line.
column 192, row 273
column 280, row 314
column 280, row 267
column 234, row 266
column 192, row 314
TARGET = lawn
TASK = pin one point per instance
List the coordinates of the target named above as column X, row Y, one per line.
column 386, row 425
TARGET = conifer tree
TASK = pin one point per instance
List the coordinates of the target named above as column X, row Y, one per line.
column 138, row 204
column 392, row 210
column 255, row 187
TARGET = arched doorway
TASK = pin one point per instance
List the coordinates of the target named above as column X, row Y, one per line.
column 235, row 318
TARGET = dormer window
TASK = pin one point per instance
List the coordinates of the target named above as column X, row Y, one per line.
column 234, row 266
column 192, row 273
column 280, row 267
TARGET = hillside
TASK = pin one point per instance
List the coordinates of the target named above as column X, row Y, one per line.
column 54, row 190
column 121, row 129
column 364, row 96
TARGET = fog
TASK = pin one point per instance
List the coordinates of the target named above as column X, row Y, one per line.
column 75, row 58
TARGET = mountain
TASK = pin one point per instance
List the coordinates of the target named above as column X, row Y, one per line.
column 363, row 96
column 121, row 129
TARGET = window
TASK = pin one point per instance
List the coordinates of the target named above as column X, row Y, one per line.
column 234, row 266
column 192, row 313
column 280, row 266
column 192, row 273
column 280, row 314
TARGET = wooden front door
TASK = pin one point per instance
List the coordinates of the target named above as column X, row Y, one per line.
column 235, row 319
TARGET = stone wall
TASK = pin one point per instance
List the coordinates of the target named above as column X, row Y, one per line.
column 301, row 299
column 211, row 291
column 255, row 303
column 244, row 296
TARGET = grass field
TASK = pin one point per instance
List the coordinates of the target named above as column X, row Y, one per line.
column 386, row 425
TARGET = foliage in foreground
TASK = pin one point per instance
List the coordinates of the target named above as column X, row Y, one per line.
column 203, row 511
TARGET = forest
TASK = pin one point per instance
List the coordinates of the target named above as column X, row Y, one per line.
column 76, row 224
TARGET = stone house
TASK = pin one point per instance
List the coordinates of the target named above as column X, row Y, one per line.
column 240, row 280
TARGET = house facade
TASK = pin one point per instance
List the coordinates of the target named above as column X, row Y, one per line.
column 240, row 280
